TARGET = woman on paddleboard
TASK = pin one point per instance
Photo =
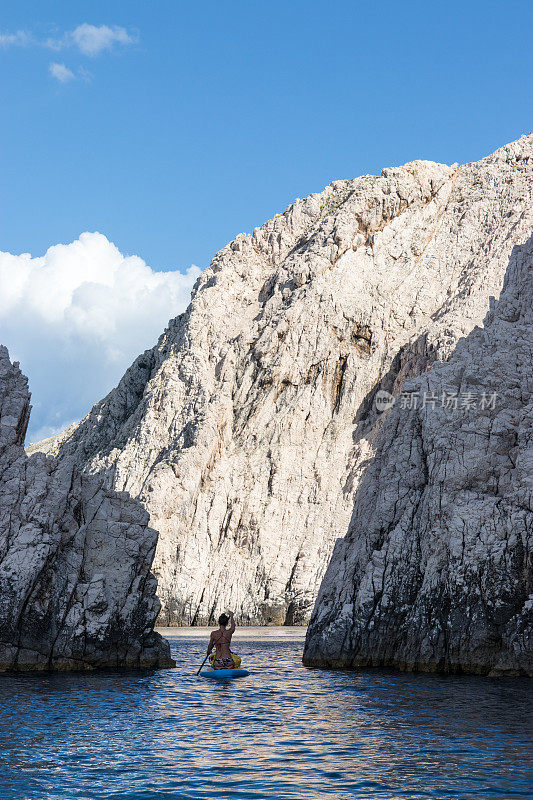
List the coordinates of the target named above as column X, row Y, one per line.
column 221, row 640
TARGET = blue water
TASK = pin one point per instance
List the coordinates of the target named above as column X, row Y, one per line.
column 282, row 732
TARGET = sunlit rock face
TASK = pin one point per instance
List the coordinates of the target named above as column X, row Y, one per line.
column 436, row 572
column 75, row 585
column 246, row 429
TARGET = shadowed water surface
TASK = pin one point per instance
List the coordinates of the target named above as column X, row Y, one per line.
column 282, row 732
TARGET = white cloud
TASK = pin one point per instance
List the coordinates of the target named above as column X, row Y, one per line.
column 18, row 39
column 93, row 40
column 62, row 73
column 90, row 40
column 76, row 317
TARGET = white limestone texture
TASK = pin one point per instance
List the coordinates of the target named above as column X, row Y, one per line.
column 246, row 429
column 436, row 571
column 76, row 592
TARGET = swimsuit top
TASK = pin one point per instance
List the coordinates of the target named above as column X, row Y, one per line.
column 221, row 641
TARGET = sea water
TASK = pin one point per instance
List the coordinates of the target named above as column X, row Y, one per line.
column 282, row 732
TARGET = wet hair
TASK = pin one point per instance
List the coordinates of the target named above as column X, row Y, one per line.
column 223, row 619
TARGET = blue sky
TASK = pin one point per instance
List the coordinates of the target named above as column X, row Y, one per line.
column 224, row 112
column 192, row 122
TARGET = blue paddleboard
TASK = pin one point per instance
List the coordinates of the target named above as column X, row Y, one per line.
column 219, row 674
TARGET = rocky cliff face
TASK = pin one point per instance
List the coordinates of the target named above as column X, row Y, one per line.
column 75, row 585
column 436, row 572
column 245, row 430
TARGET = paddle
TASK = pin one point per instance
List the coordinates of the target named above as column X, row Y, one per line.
column 203, row 662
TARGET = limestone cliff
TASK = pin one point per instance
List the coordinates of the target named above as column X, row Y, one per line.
column 245, row 430
column 436, row 572
column 75, row 585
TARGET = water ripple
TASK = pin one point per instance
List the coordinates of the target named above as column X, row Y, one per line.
column 283, row 732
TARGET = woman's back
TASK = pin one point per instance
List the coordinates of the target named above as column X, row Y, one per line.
column 221, row 640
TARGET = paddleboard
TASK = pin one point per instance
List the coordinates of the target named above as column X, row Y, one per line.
column 219, row 674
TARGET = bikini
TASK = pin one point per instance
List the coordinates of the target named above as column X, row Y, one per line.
column 223, row 663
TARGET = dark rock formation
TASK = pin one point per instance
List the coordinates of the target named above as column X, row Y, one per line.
column 436, row 572
column 76, row 590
